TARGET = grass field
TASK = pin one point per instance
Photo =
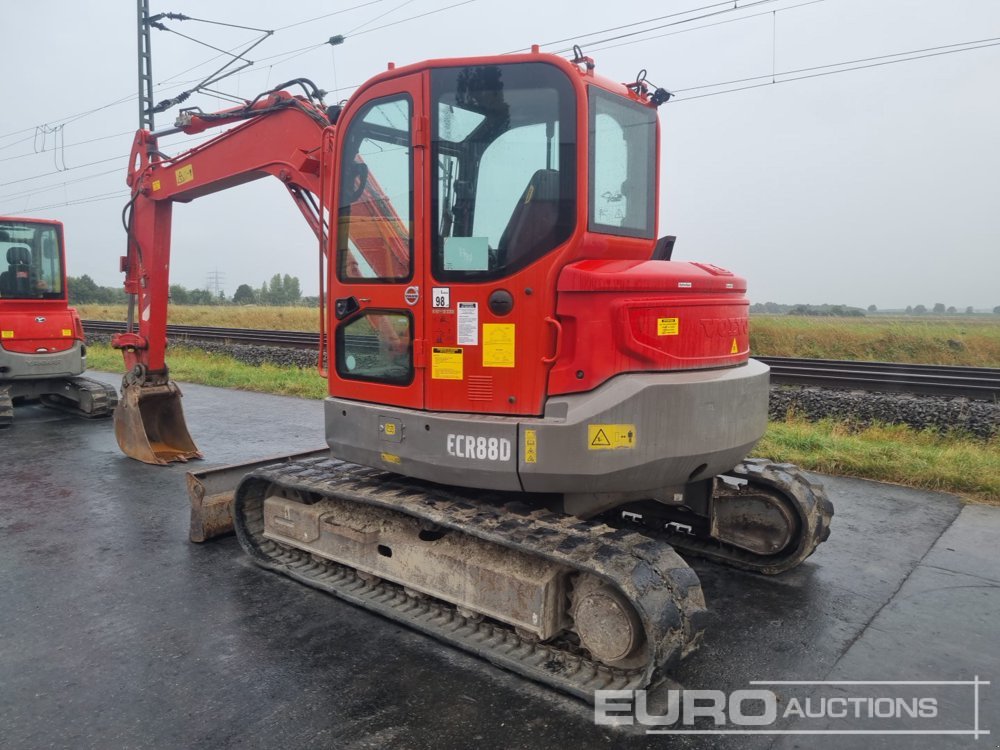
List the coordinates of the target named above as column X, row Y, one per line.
column 972, row 341
column 242, row 316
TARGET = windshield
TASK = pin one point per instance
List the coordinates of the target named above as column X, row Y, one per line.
column 30, row 261
column 504, row 145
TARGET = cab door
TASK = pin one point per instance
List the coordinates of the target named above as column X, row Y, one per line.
column 379, row 248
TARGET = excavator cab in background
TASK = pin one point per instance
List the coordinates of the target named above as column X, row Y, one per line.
column 529, row 407
column 42, row 349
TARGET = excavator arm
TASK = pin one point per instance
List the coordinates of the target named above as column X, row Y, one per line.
column 277, row 135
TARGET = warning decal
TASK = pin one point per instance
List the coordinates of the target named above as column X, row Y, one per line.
column 468, row 324
column 446, row 363
column 735, row 349
column 668, row 326
column 498, row 344
column 530, row 447
column 184, row 174
column 608, row 437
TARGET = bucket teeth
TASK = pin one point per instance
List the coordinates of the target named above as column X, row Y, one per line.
column 150, row 426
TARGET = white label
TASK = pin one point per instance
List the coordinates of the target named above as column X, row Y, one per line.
column 468, row 324
column 478, row 447
column 441, row 296
column 466, row 253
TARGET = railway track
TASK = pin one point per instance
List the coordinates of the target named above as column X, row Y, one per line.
column 935, row 380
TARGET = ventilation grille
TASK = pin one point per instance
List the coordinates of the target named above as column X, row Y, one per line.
column 480, row 387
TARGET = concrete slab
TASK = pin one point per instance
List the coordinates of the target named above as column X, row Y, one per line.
column 115, row 631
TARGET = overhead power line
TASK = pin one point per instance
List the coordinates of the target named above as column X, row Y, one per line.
column 578, row 37
column 729, row 6
column 845, row 66
column 703, row 26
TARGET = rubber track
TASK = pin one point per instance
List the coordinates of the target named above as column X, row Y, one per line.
column 6, row 408
column 104, row 398
column 663, row 589
column 811, row 505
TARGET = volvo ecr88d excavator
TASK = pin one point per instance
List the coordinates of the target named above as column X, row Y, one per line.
column 42, row 350
column 531, row 407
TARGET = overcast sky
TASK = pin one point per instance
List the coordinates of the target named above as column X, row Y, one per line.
column 878, row 186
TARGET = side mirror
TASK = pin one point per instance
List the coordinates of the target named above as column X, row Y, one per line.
column 664, row 247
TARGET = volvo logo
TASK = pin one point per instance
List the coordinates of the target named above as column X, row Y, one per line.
column 725, row 327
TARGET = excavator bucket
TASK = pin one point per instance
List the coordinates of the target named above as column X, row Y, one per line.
column 150, row 426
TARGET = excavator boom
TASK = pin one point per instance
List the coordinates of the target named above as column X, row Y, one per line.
column 277, row 135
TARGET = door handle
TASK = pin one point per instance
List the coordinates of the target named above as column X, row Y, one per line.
column 558, row 329
column 345, row 306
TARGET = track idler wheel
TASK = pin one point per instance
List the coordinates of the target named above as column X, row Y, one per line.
column 607, row 624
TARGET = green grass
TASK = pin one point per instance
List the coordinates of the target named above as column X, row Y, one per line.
column 198, row 366
column 927, row 459
column 950, row 463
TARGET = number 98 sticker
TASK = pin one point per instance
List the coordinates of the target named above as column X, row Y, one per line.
column 441, row 297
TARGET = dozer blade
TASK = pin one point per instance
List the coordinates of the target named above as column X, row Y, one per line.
column 211, row 493
column 150, row 426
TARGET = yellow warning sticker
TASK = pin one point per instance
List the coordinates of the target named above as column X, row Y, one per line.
column 735, row 348
column 185, row 174
column 67, row 332
column 446, row 363
column 498, row 344
column 609, row 437
column 390, row 428
column 391, row 458
column 530, row 447
column 668, row 326
column 6, row 334
column 156, row 185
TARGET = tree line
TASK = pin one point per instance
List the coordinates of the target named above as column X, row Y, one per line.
column 281, row 290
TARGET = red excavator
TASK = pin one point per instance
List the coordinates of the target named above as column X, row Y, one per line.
column 532, row 409
column 42, row 350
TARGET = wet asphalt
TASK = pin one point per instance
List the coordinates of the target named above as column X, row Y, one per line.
column 115, row 631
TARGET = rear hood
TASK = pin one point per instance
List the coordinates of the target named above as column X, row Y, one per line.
column 39, row 330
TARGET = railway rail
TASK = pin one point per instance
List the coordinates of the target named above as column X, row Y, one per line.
column 982, row 383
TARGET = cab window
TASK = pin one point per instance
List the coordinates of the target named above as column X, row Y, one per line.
column 622, row 166
column 504, row 150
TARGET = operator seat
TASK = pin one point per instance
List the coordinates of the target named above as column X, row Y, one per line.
column 533, row 226
column 18, row 269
